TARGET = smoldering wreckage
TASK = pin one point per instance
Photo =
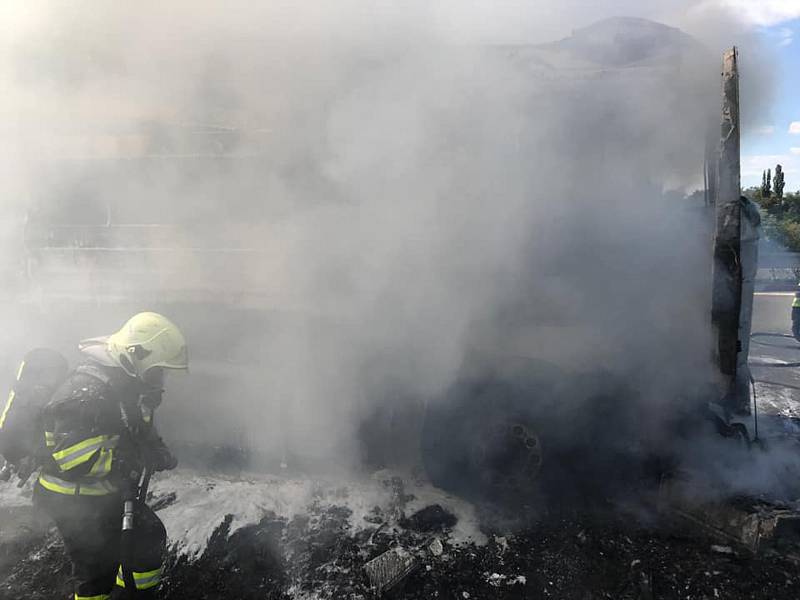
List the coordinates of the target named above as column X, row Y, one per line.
column 522, row 477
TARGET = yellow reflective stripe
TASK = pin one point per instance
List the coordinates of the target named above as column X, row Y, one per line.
column 61, row 454
column 11, row 395
column 102, row 465
column 101, row 488
column 147, row 574
column 100, row 597
column 51, row 438
column 79, row 453
column 147, row 585
column 143, row 581
column 9, row 402
column 796, row 303
column 56, row 485
column 77, row 460
column 59, row 486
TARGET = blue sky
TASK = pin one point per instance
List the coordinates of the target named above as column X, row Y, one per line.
column 775, row 137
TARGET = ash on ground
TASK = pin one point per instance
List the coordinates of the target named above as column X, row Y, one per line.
column 311, row 540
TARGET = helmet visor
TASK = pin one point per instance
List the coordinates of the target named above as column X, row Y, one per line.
column 178, row 361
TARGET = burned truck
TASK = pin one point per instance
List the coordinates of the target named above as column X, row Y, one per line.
column 509, row 420
column 590, row 434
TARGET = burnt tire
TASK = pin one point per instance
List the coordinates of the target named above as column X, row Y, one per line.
column 590, row 441
column 482, row 440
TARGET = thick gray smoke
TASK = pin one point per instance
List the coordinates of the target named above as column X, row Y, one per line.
column 374, row 194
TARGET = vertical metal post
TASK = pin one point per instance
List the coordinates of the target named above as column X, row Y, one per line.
column 711, row 164
column 727, row 274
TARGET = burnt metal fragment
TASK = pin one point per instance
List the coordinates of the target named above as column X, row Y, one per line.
column 754, row 525
column 430, row 519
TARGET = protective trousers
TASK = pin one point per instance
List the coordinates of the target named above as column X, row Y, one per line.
column 91, row 529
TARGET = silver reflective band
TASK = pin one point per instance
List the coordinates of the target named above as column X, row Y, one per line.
column 82, row 451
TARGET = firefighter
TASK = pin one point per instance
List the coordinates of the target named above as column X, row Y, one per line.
column 796, row 315
column 99, row 437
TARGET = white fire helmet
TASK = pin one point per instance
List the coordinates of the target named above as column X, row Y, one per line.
column 146, row 341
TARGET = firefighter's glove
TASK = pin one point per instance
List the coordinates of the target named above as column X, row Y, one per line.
column 162, row 459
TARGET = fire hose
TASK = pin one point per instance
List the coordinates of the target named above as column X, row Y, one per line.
column 135, row 495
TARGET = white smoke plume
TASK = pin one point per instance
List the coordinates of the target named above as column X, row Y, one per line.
column 397, row 187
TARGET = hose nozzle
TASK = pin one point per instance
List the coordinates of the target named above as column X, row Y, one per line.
column 127, row 515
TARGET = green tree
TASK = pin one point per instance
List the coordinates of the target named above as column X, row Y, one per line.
column 779, row 182
column 768, row 189
column 791, row 204
column 756, row 194
column 789, row 234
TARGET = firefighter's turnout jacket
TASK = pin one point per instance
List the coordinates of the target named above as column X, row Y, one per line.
column 98, row 435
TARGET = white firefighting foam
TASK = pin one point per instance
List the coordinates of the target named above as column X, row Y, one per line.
column 12, row 496
column 203, row 502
